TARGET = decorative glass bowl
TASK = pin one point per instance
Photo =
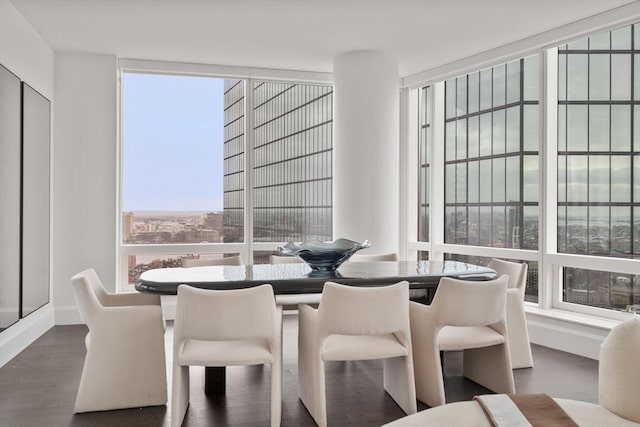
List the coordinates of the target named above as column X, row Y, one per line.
column 323, row 256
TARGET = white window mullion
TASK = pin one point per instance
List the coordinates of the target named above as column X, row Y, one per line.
column 248, row 171
column 548, row 285
column 436, row 195
column 409, row 152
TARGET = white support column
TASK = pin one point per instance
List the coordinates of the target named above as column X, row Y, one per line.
column 366, row 149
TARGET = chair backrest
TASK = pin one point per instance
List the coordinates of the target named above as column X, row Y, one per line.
column 619, row 371
column 373, row 257
column 470, row 303
column 89, row 293
column 203, row 262
column 353, row 310
column 516, row 271
column 212, row 315
column 279, row 259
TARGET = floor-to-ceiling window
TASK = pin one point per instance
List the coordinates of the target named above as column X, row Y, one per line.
column 598, row 163
column 512, row 176
column 187, row 177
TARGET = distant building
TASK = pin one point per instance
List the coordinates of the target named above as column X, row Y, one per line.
column 127, row 226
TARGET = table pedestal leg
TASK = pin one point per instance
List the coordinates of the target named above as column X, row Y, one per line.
column 214, row 379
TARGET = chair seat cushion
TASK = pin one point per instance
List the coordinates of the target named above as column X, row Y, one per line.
column 454, row 338
column 362, row 347
column 225, row 353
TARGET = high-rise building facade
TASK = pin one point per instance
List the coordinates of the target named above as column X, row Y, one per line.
column 292, row 161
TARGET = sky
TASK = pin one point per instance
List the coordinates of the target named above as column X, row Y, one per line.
column 172, row 150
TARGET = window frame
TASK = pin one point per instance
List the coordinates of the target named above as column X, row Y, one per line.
column 248, row 75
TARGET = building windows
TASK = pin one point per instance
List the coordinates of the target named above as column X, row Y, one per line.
column 424, row 147
column 184, row 181
column 598, row 154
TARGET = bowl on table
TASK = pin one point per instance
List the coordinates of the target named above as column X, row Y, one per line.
column 323, row 256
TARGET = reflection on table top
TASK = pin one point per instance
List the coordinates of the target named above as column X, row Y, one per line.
column 299, row 278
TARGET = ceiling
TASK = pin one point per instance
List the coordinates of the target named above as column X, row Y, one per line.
column 297, row 34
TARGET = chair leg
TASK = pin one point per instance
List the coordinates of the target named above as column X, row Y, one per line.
column 276, row 375
column 518, row 335
column 490, row 367
column 311, row 380
column 426, row 358
column 179, row 394
column 399, row 382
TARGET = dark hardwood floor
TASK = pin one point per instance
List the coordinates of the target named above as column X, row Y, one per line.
column 38, row 388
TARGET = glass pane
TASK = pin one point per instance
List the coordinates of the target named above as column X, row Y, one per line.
column 461, row 103
column 576, row 229
column 621, row 38
column 513, row 179
column 562, row 128
column 450, row 184
column 579, row 44
column 485, row 134
column 599, row 178
column 461, row 183
column 599, row 128
column 636, row 232
column 461, row 225
column 473, row 225
column 498, row 227
column 620, row 231
column 474, row 182
column 620, row 179
column 450, row 98
column 636, row 184
column 531, row 122
column 292, row 162
column 180, row 159
column 599, row 77
column 513, row 129
column 486, row 83
column 530, row 228
column 449, row 224
column 513, row 81
column 620, row 128
column 562, row 77
column 636, row 76
column 474, row 92
column 513, row 227
column 499, row 182
column 531, row 79
column 499, row 132
column 530, row 172
column 600, row 41
column 484, row 230
column 450, row 138
column 474, row 136
column 577, row 81
column 499, row 82
column 599, row 230
column 620, row 77
column 461, row 139
column 562, row 179
column 485, row 180
column 562, row 229
column 636, row 122
column 577, row 178
column 577, row 127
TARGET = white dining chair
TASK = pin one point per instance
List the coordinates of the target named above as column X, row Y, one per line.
column 282, row 259
column 519, row 345
column 618, row 391
column 373, row 257
column 356, row 323
column 464, row 315
column 225, row 328
column 125, row 362
column 204, row 262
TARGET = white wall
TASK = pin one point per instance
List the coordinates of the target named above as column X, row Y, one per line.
column 27, row 55
column 84, row 184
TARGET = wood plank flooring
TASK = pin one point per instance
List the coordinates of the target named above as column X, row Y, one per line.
column 38, row 388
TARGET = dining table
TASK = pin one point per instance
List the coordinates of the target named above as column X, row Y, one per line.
column 298, row 279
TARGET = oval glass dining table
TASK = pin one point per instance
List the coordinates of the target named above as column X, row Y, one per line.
column 300, row 279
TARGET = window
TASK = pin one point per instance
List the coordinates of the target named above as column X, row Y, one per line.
column 185, row 179
column 423, row 176
column 598, row 163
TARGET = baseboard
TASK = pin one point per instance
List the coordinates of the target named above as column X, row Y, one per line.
column 570, row 333
column 20, row 335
